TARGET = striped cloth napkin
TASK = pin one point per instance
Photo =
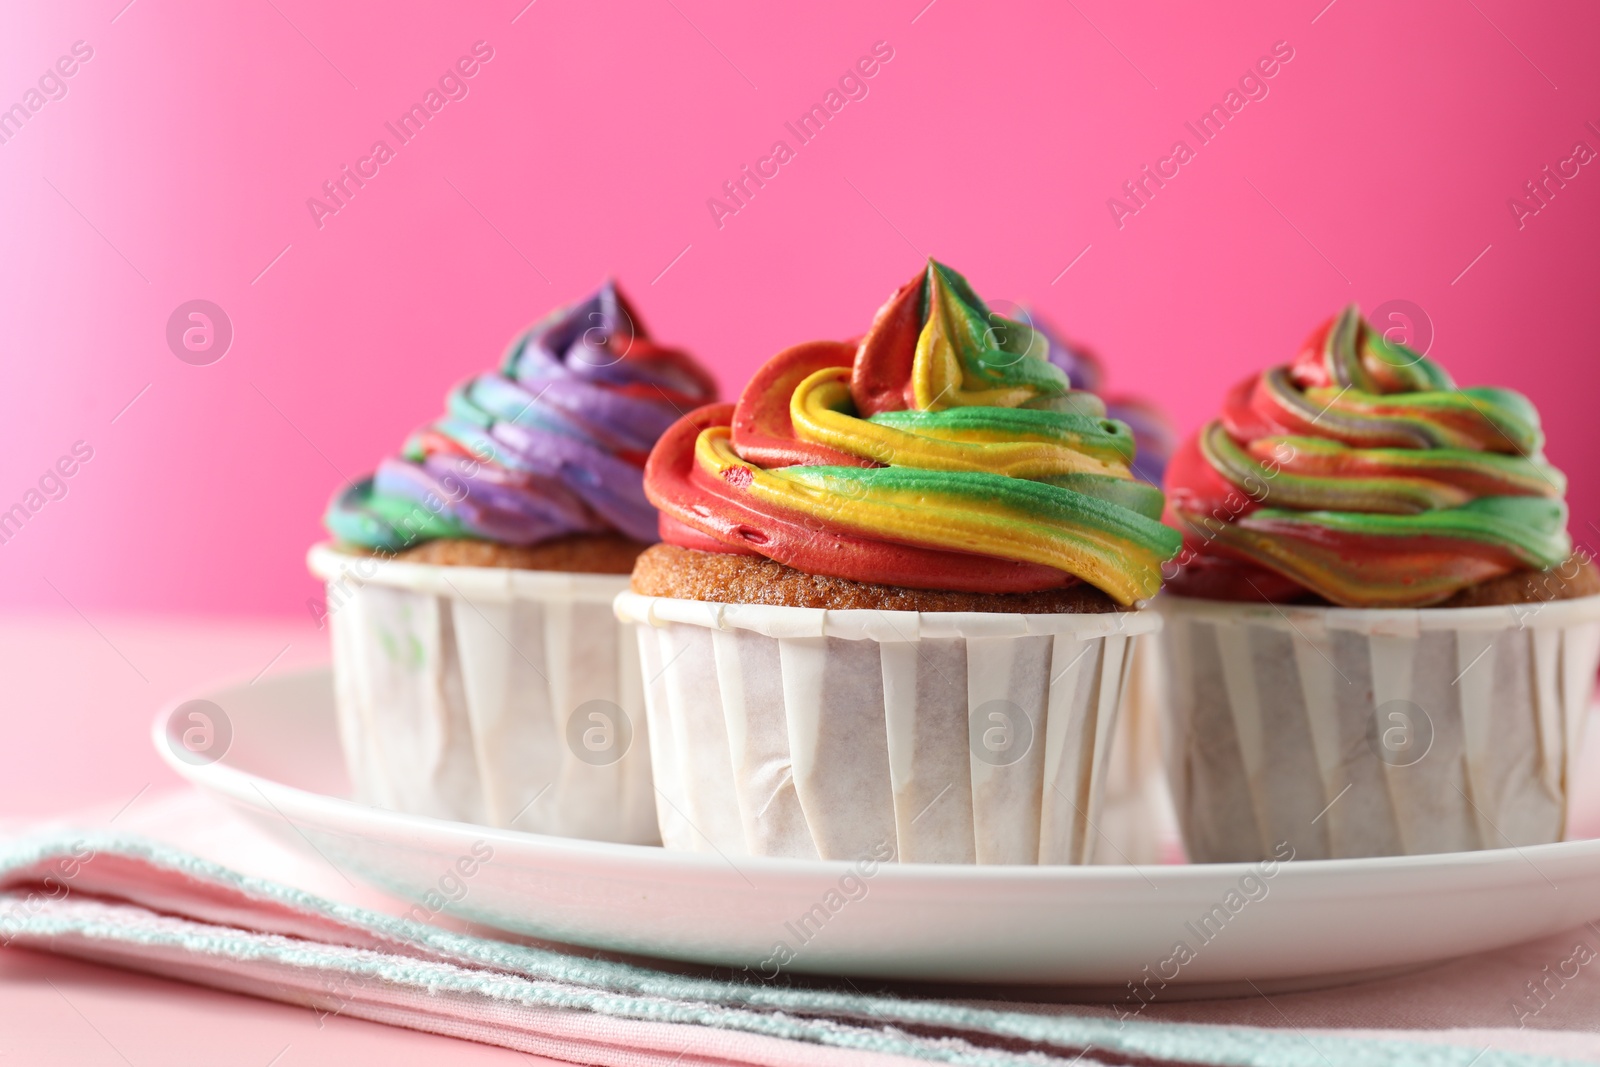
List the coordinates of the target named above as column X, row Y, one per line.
column 132, row 901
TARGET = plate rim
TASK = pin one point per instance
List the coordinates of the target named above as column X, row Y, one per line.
column 235, row 784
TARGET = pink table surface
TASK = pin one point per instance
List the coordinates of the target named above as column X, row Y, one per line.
column 78, row 699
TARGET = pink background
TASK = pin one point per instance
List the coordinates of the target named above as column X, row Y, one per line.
column 179, row 163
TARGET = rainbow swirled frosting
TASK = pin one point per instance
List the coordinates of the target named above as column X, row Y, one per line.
column 1360, row 474
column 553, row 443
column 943, row 452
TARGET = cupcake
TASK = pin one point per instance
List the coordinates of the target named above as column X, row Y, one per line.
column 1381, row 641
column 891, row 613
column 480, row 673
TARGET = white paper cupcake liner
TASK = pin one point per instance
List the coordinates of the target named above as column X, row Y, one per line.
column 1373, row 733
column 948, row 737
column 1136, row 822
column 497, row 696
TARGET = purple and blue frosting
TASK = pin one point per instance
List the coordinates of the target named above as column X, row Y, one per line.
column 551, row 444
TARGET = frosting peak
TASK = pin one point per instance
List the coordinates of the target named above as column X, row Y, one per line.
column 552, row 443
column 943, row 452
column 936, row 345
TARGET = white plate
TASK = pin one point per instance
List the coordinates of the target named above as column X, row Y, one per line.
column 1092, row 928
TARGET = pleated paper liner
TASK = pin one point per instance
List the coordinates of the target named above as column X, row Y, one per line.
column 944, row 737
column 497, row 696
column 1136, row 822
column 1374, row 733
